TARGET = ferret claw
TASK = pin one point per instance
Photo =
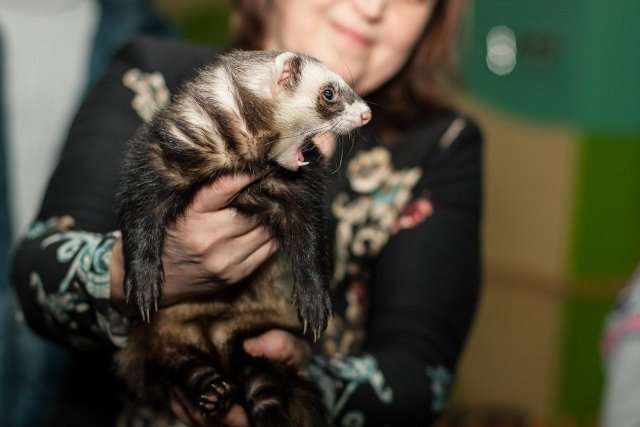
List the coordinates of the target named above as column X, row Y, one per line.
column 314, row 310
column 145, row 292
column 216, row 398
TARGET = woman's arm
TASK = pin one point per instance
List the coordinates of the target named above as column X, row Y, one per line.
column 60, row 267
column 68, row 269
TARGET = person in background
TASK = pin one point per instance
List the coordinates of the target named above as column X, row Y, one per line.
column 50, row 53
column 405, row 203
column 621, row 350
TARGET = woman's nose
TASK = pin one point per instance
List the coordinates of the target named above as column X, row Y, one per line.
column 371, row 9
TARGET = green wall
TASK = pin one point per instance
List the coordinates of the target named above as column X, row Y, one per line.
column 606, row 219
column 577, row 61
column 605, row 249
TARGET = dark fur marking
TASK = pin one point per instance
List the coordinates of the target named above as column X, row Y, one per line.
column 257, row 112
column 330, row 109
column 295, row 67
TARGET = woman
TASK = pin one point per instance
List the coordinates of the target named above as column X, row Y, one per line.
column 405, row 200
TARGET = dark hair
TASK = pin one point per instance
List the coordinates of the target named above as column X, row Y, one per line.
column 416, row 92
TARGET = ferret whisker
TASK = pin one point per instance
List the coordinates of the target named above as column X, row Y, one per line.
column 326, row 133
column 339, row 165
column 352, row 145
column 311, row 132
column 324, row 138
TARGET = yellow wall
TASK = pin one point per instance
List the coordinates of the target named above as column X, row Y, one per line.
column 511, row 357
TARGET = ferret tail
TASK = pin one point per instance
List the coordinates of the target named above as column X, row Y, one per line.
column 276, row 395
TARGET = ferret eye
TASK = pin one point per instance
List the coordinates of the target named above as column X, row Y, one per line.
column 328, row 94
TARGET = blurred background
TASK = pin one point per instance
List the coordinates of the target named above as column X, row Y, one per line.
column 555, row 86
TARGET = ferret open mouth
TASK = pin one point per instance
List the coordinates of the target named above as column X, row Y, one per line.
column 300, row 158
column 291, row 158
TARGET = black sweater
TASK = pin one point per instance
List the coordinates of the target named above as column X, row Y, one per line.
column 406, row 223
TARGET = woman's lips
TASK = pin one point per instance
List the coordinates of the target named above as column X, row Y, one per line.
column 354, row 37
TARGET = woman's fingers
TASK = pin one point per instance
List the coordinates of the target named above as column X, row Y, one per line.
column 212, row 246
column 239, row 249
column 281, row 346
column 219, row 194
column 256, row 258
column 236, row 416
column 210, row 227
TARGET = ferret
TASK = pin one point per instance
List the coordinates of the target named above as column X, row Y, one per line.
column 247, row 112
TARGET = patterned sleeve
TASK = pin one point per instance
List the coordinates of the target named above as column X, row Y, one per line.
column 60, row 268
column 339, row 377
column 70, row 285
column 406, row 282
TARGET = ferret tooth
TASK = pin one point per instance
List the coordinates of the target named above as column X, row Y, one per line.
column 302, row 163
column 304, row 328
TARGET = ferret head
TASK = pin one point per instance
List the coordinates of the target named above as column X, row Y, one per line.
column 304, row 97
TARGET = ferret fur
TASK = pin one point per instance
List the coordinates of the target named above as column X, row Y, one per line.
column 248, row 112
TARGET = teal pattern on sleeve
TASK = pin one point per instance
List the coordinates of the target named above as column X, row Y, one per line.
column 340, row 377
column 78, row 301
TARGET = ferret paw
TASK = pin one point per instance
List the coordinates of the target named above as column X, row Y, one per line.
column 314, row 310
column 216, row 398
column 145, row 293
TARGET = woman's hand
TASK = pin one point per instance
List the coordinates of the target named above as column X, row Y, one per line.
column 209, row 247
column 281, row 346
column 275, row 345
column 212, row 246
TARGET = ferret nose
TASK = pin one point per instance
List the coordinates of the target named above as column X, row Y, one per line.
column 365, row 116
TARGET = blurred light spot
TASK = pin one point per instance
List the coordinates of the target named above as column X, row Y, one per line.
column 501, row 50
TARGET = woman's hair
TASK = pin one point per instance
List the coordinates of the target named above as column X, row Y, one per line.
column 415, row 91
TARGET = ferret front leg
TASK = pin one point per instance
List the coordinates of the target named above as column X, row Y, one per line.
column 303, row 239
column 291, row 208
column 309, row 254
column 142, row 239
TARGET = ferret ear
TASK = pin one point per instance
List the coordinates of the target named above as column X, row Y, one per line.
column 283, row 73
column 286, row 73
